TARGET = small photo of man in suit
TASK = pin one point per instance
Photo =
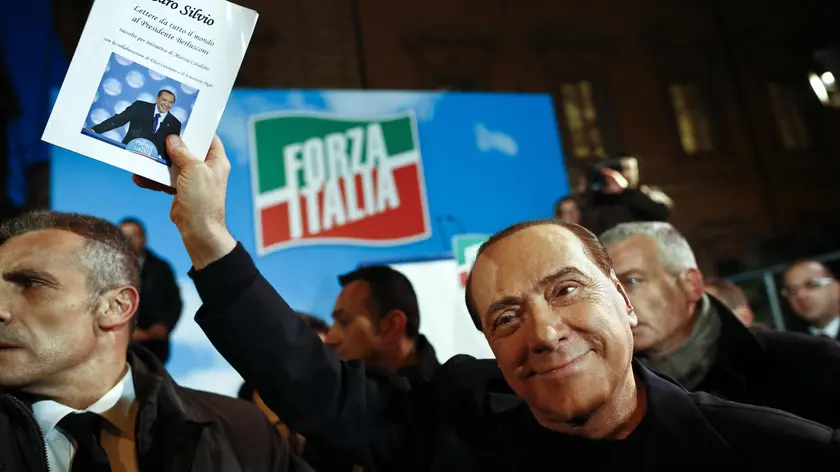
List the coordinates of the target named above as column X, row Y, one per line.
column 151, row 121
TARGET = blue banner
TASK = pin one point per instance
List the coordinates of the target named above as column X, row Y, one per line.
column 479, row 162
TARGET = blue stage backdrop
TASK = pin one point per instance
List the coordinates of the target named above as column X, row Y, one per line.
column 413, row 169
column 124, row 82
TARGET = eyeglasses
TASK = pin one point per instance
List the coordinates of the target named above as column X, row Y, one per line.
column 808, row 285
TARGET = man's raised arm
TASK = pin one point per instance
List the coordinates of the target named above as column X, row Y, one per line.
column 251, row 325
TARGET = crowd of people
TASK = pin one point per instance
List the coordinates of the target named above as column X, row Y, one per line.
column 611, row 351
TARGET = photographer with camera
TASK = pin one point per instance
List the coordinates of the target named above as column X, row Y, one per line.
column 611, row 195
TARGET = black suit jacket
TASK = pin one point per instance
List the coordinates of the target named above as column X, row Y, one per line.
column 793, row 372
column 178, row 429
column 141, row 116
column 324, row 459
column 466, row 418
column 160, row 302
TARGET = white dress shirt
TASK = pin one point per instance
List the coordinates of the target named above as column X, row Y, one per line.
column 829, row 330
column 160, row 120
column 118, row 407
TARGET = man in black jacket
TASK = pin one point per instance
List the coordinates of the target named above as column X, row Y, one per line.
column 152, row 121
column 559, row 323
column 160, row 298
column 698, row 341
column 376, row 319
column 73, row 397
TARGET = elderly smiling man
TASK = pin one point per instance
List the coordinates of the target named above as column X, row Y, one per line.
column 563, row 392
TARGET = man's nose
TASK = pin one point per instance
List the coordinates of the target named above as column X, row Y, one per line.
column 545, row 328
column 801, row 296
column 332, row 339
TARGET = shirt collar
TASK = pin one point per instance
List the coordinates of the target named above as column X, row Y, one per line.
column 118, row 406
column 830, row 329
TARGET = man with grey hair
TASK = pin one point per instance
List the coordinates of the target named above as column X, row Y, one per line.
column 74, row 396
column 695, row 339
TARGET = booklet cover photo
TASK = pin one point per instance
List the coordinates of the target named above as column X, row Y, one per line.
column 145, row 70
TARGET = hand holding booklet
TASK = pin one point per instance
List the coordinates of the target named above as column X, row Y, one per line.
column 147, row 69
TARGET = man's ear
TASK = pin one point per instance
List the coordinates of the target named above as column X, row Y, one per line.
column 628, row 305
column 116, row 308
column 691, row 282
column 392, row 325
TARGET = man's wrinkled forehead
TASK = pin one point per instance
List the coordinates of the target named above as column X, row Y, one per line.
column 43, row 247
column 530, row 254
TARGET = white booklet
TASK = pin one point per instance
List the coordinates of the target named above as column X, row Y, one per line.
column 144, row 70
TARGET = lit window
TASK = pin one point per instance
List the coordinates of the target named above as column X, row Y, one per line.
column 581, row 120
column 692, row 118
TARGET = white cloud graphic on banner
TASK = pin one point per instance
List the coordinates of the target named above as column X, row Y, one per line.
column 382, row 103
column 297, row 101
column 122, row 60
column 488, row 140
column 188, row 90
column 99, row 115
column 120, row 106
column 135, row 79
column 146, row 97
column 112, row 87
column 156, row 75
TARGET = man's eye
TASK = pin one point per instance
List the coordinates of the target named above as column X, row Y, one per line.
column 568, row 290
column 31, row 283
column 632, row 281
column 565, row 290
column 504, row 319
